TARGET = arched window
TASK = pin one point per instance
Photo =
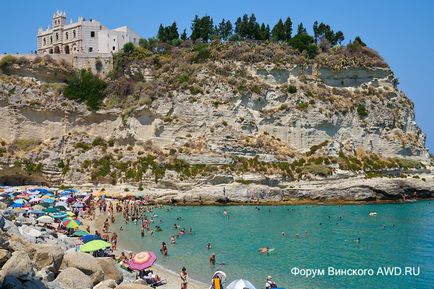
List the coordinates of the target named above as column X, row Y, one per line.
column 45, row 41
column 51, row 39
column 66, row 35
column 57, row 36
column 73, row 34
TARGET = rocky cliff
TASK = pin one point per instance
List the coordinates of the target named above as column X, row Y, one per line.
column 179, row 117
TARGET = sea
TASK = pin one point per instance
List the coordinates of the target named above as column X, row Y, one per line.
column 313, row 246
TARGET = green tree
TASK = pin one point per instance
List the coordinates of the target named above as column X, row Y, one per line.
column 304, row 42
column 224, row 29
column 202, row 28
column 288, row 28
column 301, row 30
column 128, row 48
column 84, row 86
column 359, row 41
column 278, row 32
column 184, row 35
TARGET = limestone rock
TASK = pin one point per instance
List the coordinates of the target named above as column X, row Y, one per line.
column 110, row 269
column 47, row 255
column 72, row 278
column 85, row 263
column 106, row 284
column 4, row 256
column 19, row 266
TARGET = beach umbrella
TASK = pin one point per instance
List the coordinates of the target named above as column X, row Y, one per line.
column 51, row 210
column 71, row 224
column 87, row 238
column 70, row 214
column 37, row 212
column 45, row 219
column 81, row 233
column 94, row 245
column 22, row 196
column 38, row 207
column 240, row 284
column 61, row 204
column 142, row 260
column 35, row 200
column 61, row 208
column 16, row 205
column 78, row 205
column 59, row 215
column 48, row 201
column 20, row 201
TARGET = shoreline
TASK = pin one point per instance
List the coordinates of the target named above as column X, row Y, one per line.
column 167, row 274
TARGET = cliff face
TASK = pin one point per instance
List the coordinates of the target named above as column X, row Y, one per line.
column 216, row 112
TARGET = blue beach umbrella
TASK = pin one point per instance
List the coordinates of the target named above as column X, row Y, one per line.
column 37, row 212
column 89, row 238
column 16, row 205
column 20, row 201
column 48, row 201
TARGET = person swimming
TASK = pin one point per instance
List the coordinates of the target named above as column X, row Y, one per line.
column 208, row 246
column 264, row 250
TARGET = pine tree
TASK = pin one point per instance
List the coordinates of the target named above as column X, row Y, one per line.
column 288, row 28
column 184, row 35
column 315, row 31
column 301, row 30
column 278, row 32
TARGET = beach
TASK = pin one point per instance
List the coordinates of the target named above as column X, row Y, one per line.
column 172, row 278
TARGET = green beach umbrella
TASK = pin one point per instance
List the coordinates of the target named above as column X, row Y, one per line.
column 94, row 245
column 81, row 233
column 51, row 210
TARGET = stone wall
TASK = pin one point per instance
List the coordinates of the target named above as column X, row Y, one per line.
column 79, row 60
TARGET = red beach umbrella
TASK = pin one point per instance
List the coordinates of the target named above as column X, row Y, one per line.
column 142, row 260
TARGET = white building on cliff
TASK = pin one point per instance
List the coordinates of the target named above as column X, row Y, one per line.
column 83, row 36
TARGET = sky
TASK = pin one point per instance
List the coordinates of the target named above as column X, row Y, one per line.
column 401, row 31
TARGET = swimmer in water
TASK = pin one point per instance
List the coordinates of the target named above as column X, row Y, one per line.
column 264, row 250
column 283, row 234
column 225, row 213
column 209, row 246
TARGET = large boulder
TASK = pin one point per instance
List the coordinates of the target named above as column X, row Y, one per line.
column 85, row 263
column 4, row 256
column 72, row 278
column 47, row 256
column 106, row 284
column 111, row 270
column 19, row 266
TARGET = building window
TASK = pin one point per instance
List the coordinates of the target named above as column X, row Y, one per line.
column 92, row 34
column 45, row 42
column 51, row 39
column 57, row 36
column 114, row 48
column 66, row 35
column 90, row 49
column 73, row 34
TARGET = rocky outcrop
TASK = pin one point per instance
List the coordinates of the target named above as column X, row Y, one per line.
column 72, row 278
column 86, row 264
column 111, row 271
column 24, row 263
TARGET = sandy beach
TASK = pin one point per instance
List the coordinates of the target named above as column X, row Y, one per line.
column 172, row 278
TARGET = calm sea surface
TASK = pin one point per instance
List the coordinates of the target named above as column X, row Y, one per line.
column 316, row 237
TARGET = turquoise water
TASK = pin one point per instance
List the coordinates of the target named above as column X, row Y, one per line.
column 331, row 244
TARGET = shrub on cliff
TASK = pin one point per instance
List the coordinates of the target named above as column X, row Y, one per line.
column 85, row 87
column 7, row 61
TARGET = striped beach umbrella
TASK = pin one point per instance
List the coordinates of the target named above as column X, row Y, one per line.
column 142, row 260
column 71, row 224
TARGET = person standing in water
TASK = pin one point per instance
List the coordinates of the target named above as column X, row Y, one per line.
column 163, row 249
column 212, row 259
column 209, row 246
column 184, row 278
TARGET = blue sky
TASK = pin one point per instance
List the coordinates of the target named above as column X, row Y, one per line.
column 402, row 31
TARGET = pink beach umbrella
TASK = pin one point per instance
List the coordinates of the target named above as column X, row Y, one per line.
column 142, row 260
